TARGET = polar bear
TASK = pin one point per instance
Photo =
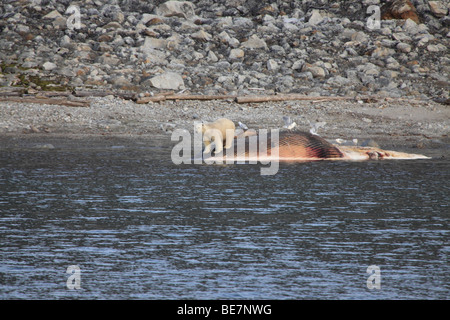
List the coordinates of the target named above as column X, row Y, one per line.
column 219, row 131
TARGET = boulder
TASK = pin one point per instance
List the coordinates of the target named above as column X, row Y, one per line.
column 183, row 9
column 399, row 9
column 315, row 18
column 201, row 35
column 272, row 65
column 212, row 56
column 52, row 15
column 49, row 66
column 236, row 54
column 154, row 43
column 338, row 81
column 316, row 71
column 438, row 8
column 254, row 42
column 404, row 47
column 436, row 47
column 410, row 27
column 168, row 80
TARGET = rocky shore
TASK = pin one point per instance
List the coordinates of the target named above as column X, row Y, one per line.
column 217, row 47
column 132, row 49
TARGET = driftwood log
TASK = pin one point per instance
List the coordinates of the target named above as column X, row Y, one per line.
column 57, row 101
column 238, row 99
column 20, row 94
column 158, row 98
column 287, row 97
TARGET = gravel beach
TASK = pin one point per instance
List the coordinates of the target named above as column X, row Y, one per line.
column 397, row 124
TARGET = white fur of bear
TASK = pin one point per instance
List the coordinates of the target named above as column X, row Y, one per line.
column 219, row 131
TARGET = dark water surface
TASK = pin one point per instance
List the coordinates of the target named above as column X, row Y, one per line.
column 140, row 227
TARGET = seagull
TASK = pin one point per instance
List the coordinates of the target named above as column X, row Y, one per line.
column 288, row 123
column 343, row 142
column 242, row 126
column 316, row 126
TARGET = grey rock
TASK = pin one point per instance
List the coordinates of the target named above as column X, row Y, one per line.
column 254, row 42
column 52, row 15
column 297, row 65
column 236, row 54
column 382, row 52
column 154, row 43
column 439, row 8
column 390, row 74
column 436, row 47
column 108, row 59
column 21, row 29
column 391, row 63
column 168, row 80
column 423, row 39
column 360, row 37
column 272, row 65
column 315, row 18
column 66, row 42
column 290, row 27
column 223, row 65
column 121, row 81
column 30, row 64
column 278, row 50
column 49, row 66
column 367, row 80
column 385, row 31
column 231, row 41
column 183, row 9
column 242, row 23
column 67, row 72
column 224, row 22
column 212, row 56
column 304, row 75
column 401, row 36
column 338, row 81
column 404, row 47
column 316, row 71
column 226, row 79
column 201, row 35
column 410, row 27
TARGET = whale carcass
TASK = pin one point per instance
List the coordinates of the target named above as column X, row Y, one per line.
column 293, row 145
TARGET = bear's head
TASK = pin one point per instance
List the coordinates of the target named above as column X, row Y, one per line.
column 198, row 127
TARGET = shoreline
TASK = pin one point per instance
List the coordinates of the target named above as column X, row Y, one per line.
column 394, row 125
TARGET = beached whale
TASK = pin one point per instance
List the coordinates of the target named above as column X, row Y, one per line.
column 291, row 146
